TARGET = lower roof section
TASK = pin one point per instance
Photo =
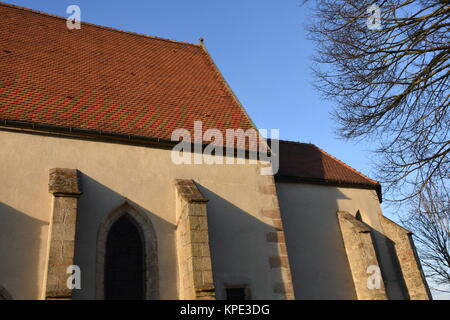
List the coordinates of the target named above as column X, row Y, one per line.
column 306, row 163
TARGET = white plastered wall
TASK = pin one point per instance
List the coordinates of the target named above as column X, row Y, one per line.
column 111, row 173
column 316, row 252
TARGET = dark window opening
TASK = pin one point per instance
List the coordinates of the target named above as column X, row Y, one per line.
column 124, row 261
column 236, row 293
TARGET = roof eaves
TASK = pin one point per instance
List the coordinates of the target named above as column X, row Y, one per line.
column 332, row 182
column 100, row 135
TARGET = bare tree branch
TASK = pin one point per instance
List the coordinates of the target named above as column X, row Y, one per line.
column 429, row 220
column 391, row 85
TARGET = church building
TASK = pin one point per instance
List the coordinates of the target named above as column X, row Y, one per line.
column 93, row 205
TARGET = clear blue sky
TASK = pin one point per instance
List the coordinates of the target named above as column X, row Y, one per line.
column 261, row 48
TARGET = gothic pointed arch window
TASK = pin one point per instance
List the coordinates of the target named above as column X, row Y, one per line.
column 124, row 261
column 127, row 260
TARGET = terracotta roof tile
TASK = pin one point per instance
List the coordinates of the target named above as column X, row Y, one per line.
column 99, row 78
column 303, row 161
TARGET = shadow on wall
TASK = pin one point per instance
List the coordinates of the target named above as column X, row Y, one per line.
column 239, row 249
column 314, row 242
column 94, row 206
column 21, row 237
column 320, row 268
column 390, row 267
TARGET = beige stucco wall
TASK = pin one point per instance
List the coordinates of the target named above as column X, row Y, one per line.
column 319, row 264
column 110, row 173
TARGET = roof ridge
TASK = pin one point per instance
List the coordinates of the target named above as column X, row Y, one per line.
column 99, row 26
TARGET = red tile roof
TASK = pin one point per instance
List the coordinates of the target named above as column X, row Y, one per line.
column 104, row 79
column 307, row 163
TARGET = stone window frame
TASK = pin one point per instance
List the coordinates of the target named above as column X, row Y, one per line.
column 4, row 294
column 148, row 234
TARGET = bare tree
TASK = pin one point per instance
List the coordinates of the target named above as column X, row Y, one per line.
column 429, row 220
column 388, row 69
